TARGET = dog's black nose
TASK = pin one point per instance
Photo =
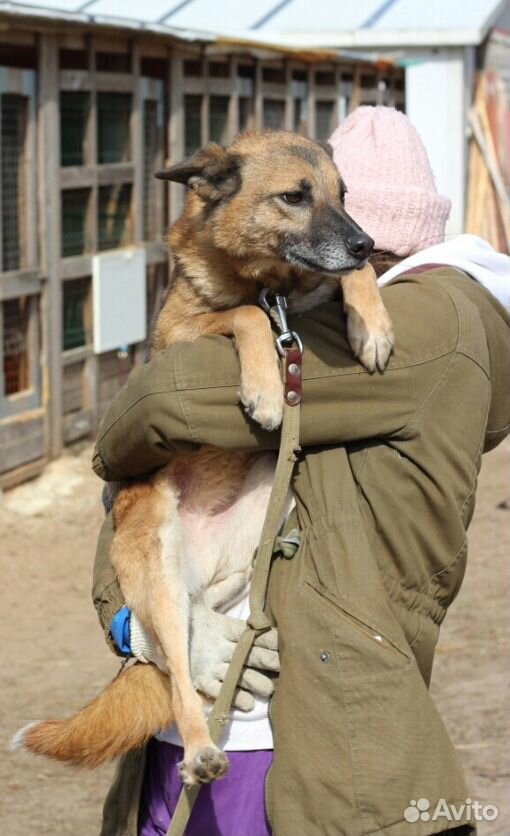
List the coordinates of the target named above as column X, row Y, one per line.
column 359, row 244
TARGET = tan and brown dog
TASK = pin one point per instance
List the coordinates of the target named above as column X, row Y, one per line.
column 265, row 212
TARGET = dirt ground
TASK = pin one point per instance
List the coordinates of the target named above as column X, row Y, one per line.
column 54, row 657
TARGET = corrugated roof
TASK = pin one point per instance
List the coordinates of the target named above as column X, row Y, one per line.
column 291, row 23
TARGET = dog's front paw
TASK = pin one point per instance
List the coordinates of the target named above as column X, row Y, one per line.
column 372, row 343
column 207, row 765
column 263, row 401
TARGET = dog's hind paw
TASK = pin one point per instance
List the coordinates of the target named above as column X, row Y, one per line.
column 208, row 765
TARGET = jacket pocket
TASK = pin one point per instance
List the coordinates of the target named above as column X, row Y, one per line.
column 363, row 648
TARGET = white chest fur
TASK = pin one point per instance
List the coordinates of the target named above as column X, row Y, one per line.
column 217, row 546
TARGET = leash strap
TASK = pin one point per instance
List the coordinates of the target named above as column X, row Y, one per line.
column 257, row 622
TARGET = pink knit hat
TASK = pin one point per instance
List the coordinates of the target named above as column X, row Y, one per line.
column 391, row 189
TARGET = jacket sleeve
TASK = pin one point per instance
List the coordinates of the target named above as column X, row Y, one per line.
column 106, row 593
column 188, row 395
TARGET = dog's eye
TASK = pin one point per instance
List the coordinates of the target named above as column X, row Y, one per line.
column 292, row 198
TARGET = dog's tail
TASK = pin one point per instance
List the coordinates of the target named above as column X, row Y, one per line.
column 134, row 707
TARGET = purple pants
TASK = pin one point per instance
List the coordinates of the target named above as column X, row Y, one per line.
column 232, row 806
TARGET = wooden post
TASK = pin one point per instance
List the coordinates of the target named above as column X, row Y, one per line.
column 288, row 120
column 259, row 102
column 204, row 110
column 137, row 152
column 233, row 104
column 49, row 214
column 137, row 139
column 311, row 103
column 176, row 131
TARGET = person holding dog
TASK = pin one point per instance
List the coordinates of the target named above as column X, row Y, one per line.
column 385, row 490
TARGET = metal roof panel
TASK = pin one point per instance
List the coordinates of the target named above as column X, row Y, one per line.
column 293, row 23
column 306, row 16
column 150, row 11
column 436, row 14
column 224, row 15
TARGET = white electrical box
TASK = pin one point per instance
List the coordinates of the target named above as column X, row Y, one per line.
column 119, row 298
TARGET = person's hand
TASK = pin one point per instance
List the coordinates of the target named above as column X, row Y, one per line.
column 213, row 640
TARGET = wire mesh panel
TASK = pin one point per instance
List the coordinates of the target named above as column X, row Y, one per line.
column 218, row 119
column 75, row 204
column 76, row 316
column 324, row 116
column 113, row 62
column 150, row 155
column 192, row 124
column 114, row 216
column 74, row 112
column 113, row 127
column 13, row 126
column 219, row 69
column 274, row 113
column 16, row 365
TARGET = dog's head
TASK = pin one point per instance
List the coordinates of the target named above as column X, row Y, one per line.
column 272, row 199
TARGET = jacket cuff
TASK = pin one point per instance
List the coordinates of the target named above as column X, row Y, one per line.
column 143, row 646
column 99, row 467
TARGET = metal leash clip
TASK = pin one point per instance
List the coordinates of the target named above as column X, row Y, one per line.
column 276, row 310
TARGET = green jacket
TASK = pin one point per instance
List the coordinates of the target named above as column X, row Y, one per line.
column 385, row 491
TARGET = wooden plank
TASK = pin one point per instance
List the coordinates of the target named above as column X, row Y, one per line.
column 91, row 390
column 356, row 89
column 233, row 103
column 75, row 80
column 193, row 86
column 204, row 111
column 30, row 155
column 288, row 120
column 75, row 267
column 176, row 131
column 78, row 425
column 76, row 355
column 49, row 214
column 22, row 474
column 311, row 104
column 21, row 440
column 115, row 82
column 77, row 177
column 259, row 101
column 20, row 283
column 72, row 388
column 136, row 124
column 113, row 173
column 91, row 156
column 481, row 130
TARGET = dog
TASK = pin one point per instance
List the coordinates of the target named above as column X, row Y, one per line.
column 268, row 211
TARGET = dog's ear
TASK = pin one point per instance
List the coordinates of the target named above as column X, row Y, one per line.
column 213, row 172
column 325, row 147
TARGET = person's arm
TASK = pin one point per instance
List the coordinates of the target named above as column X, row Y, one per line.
column 187, row 395
column 106, row 594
